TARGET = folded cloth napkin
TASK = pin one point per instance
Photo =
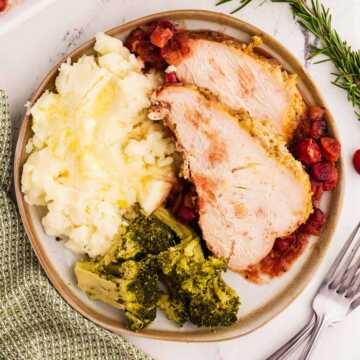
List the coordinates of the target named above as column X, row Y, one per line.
column 35, row 322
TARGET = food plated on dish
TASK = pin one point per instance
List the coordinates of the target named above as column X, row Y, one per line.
column 170, row 160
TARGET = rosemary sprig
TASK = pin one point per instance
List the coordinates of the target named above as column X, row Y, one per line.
column 243, row 3
column 314, row 17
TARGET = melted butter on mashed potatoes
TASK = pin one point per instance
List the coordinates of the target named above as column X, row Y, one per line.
column 94, row 153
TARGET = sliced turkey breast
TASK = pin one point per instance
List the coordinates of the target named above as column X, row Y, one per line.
column 242, row 78
column 250, row 188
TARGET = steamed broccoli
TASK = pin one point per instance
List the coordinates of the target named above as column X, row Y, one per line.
column 197, row 282
column 178, row 262
column 212, row 302
column 182, row 231
column 143, row 236
column 131, row 286
column 160, row 248
column 174, row 308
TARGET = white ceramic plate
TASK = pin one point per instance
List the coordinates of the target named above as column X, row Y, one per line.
column 259, row 303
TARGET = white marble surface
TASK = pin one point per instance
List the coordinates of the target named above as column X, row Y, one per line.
column 29, row 50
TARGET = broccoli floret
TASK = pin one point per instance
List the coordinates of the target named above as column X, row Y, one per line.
column 143, row 236
column 178, row 262
column 182, row 231
column 174, row 308
column 151, row 234
column 130, row 285
column 198, row 282
column 212, row 302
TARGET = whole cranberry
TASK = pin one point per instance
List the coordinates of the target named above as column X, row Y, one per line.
column 330, row 148
column 317, row 189
column 315, row 222
column 303, row 130
column 171, row 78
column 318, row 129
column 135, row 38
column 356, row 161
column 316, row 113
column 148, row 52
column 186, row 214
column 324, row 172
column 308, row 151
column 330, row 185
column 3, row 5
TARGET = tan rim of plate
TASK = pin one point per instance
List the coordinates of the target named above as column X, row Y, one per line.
column 269, row 310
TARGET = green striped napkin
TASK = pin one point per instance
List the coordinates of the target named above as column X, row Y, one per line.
column 35, row 322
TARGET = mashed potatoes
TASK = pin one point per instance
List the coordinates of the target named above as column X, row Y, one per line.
column 94, row 153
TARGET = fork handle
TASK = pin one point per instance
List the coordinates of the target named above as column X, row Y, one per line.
column 288, row 348
column 320, row 324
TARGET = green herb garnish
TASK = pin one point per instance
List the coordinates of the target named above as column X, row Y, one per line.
column 243, row 3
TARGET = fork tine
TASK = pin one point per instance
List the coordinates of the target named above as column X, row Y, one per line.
column 354, row 287
column 355, row 303
column 351, row 268
column 339, row 276
column 349, row 277
column 341, row 256
column 347, row 272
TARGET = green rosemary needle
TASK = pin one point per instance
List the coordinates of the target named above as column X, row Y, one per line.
column 243, row 3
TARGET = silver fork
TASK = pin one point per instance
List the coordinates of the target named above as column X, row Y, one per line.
column 337, row 296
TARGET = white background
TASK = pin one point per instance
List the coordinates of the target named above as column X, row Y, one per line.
column 28, row 50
